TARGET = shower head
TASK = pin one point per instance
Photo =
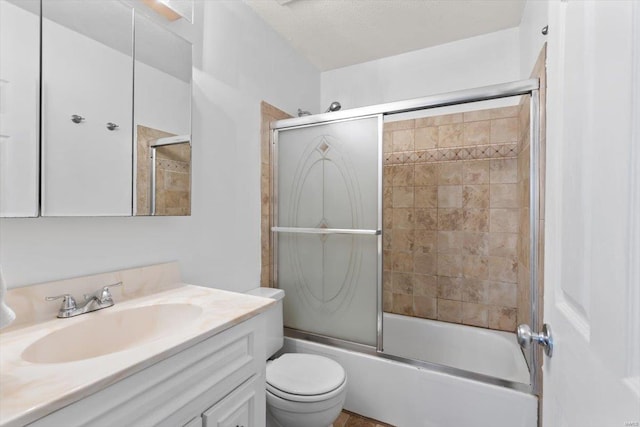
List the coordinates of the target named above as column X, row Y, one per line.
column 335, row 106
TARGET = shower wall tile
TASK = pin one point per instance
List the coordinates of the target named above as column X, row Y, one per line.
column 452, row 204
column 475, row 314
column 450, row 311
column 425, row 307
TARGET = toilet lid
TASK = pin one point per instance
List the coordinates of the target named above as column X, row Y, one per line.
column 304, row 374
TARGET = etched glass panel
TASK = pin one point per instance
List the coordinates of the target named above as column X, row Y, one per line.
column 328, row 178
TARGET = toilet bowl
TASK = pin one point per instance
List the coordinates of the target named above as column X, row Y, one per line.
column 302, row 389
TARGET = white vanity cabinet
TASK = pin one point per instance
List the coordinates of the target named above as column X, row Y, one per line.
column 217, row 382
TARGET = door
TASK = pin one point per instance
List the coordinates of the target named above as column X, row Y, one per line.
column 592, row 257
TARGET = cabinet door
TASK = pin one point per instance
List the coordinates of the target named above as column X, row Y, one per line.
column 87, row 83
column 244, row 407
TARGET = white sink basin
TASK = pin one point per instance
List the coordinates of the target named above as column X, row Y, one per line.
column 105, row 332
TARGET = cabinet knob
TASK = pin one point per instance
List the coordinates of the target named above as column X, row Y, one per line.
column 112, row 126
column 77, row 119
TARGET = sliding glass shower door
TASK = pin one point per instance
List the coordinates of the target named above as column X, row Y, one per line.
column 327, row 222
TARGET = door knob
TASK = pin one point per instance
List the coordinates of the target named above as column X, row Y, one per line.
column 544, row 338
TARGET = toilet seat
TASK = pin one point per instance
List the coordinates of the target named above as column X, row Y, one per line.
column 301, row 377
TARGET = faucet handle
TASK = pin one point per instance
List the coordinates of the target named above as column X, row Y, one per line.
column 104, row 295
column 68, row 302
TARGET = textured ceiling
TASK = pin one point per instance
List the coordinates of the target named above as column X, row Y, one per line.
column 337, row 33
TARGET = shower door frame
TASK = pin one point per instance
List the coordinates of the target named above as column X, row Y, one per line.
column 505, row 90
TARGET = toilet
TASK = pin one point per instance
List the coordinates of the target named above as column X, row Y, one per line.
column 302, row 389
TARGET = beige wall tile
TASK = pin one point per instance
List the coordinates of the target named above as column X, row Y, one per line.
column 475, row 267
column 450, row 196
column 504, row 196
column 425, row 307
column 426, row 138
column 475, row 196
column 476, row 172
column 503, row 244
column 387, row 142
column 426, row 174
column 475, row 291
column 387, row 282
column 387, row 302
column 504, row 220
column 387, row 176
column 402, row 197
column 475, row 243
column 449, row 242
column 425, row 285
column 477, row 133
column 403, row 304
column 503, row 269
column 502, row 318
column 449, row 265
column 451, row 135
column 387, row 217
column 475, row 314
column 398, row 125
column 426, row 196
column 445, row 119
column 424, row 263
column 476, row 220
column 450, row 219
column 504, row 112
column 450, row 311
column 402, row 239
column 403, row 218
column 402, row 261
column 402, row 283
column 473, row 116
column 426, row 219
column 450, row 288
column 387, row 261
column 503, row 294
column 403, row 175
column 504, row 171
column 504, row 130
column 449, row 173
column 425, row 241
column 402, row 140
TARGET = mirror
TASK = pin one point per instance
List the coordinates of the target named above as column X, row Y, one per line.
column 87, row 106
column 19, row 115
column 162, row 121
column 116, row 112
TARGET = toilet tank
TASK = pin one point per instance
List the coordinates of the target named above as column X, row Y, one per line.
column 273, row 327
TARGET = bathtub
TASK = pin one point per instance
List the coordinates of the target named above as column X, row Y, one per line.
column 493, row 353
column 406, row 395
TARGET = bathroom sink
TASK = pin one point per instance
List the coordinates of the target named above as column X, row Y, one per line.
column 104, row 332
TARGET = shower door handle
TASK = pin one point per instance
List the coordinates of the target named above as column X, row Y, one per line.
column 544, row 338
column 302, row 230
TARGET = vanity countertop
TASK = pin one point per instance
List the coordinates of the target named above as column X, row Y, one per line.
column 29, row 391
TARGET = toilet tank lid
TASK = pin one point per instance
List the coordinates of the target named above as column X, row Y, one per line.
column 273, row 293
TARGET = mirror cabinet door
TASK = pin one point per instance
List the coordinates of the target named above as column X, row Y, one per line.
column 162, row 121
column 87, row 108
column 19, row 107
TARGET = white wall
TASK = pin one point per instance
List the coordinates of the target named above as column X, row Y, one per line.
column 238, row 61
column 534, row 18
column 477, row 61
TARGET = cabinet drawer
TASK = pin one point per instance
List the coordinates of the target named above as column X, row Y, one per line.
column 244, row 407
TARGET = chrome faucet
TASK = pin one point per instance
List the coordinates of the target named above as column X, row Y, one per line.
column 98, row 300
